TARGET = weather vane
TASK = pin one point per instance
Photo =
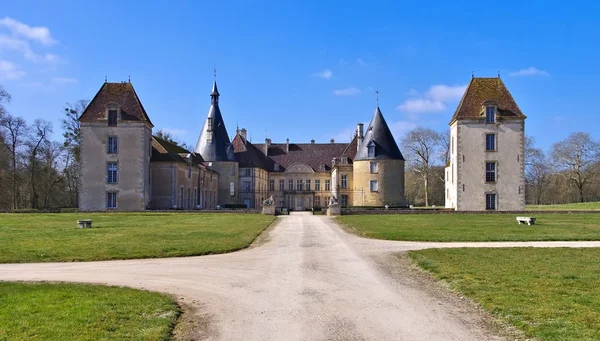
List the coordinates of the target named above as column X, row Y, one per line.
column 377, row 96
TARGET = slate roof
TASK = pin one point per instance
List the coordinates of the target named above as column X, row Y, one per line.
column 385, row 145
column 163, row 150
column 249, row 156
column 481, row 90
column 122, row 94
column 219, row 149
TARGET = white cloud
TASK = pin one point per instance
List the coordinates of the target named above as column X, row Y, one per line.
column 531, row 71
column 347, row 92
column 434, row 100
column 22, row 46
column 9, row 70
column 400, row 128
column 64, row 80
column 325, row 74
column 361, row 62
column 19, row 29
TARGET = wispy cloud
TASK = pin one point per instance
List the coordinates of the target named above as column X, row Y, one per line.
column 434, row 100
column 64, row 80
column 36, row 33
column 352, row 91
column 9, row 70
column 22, row 46
column 530, row 71
column 325, row 74
column 360, row 62
column 400, row 128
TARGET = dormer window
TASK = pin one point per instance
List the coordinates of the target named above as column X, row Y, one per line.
column 371, row 149
column 276, row 167
column 112, row 117
column 209, row 124
column 344, row 160
column 490, row 114
column 322, row 167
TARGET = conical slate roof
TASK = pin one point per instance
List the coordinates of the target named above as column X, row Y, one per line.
column 213, row 143
column 380, row 135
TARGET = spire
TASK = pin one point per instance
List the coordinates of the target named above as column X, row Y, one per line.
column 379, row 137
column 214, row 94
column 213, row 143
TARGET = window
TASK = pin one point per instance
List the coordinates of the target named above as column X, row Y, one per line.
column 344, row 160
column 344, row 200
column 463, row 187
column 195, row 197
column 322, row 167
column 490, row 142
column 248, row 172
column 327, row 185
column 181, row 197
column 232, row 170
column 490, row 201
column 209, row 122
column 189, row 172
column 281, row 184
column 374, row 167
column 344, row 181
column 271, row 185
column 490, row 114
column 371, row 149
column 111, row 199
column 290, row 185
column 490, row 172
column 112, row 145
column 276, row 167
column 112, row 118
column 308, row 185
column 373, row 186
column 317, row 185
column 317, row 201
column 452, row 146
column 189, row 198
column 299, row 185
column 247, row 186
column 112, row 173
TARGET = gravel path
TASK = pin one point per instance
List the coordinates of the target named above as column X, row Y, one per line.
column 304, row 279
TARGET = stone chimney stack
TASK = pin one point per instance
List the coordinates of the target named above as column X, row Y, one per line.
column 312, row 141
column 267, row 145
column 332, row 141
column 244, row 133
column 287, row 145
column 360, row 135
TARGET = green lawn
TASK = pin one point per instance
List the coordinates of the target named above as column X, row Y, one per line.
column 51, row 311
column 474, row 227
column 56, row 237
column 551, row 294
column 567, row 207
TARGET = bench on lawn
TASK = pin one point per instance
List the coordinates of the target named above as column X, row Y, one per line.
column 528, row 220
column 85, row 223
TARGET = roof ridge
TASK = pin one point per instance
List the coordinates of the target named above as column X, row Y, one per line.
column 140, row 104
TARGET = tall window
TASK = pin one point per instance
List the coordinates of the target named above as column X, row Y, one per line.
column 111, row 200
column 317, row 201
column 209, row 122
column 112, row 173
column 374, row 167
column 374, row 186
column 290, row 185
column 181, row 197
column 490, row 142
column 327, row 185
column 308, row 185
column 344, row 181
column 299, row 184
column 317, row 185
column 248, row 172
column 112, row 145
column 371, row 149
column 490, row 114
column 195, row 197
column 281, row 184
column 344, row 200
column 490, row 201
column 344, row 160
column 112, row 117
column 247, row 185
column 490, row 172
column 271, row 185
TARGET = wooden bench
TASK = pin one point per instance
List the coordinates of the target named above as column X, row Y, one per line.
column 528, row 220
column 85, row 223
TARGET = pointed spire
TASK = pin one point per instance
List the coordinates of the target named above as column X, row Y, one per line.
column 213, row 143
column 379, row 136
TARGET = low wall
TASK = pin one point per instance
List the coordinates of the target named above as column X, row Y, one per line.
column 364, row 211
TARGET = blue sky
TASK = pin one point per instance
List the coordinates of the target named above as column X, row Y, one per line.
column 305, row 70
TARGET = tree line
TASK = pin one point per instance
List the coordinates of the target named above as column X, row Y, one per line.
column 39, row 173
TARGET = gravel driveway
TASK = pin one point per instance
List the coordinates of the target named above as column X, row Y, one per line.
column 304, row 279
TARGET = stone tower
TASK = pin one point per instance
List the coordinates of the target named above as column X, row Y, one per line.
column 216, row 150
column 487, row 137
column 378, row 166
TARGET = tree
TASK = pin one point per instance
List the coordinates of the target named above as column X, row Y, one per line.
column 72, row 144
column 38, row 140
column 575, row 157
column 13, row 130
column 171, row 139
column 422, row 146
column 537, row 169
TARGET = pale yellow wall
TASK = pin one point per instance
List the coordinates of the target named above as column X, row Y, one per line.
column 307, row 196
column 390, row 178
column 225, row 178
column 133, row 157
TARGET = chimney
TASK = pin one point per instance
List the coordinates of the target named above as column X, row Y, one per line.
column 243, row 132
column 312, row 141
column 267, row 145
column 287, row 145
column 359, row 132
column 332, row 141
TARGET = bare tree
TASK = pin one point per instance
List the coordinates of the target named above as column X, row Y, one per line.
column 537, row 169
column 171, row 139
column 72, row 143
column 4, row 98
column 444, row 142
column 38, row 139
column 575, row 157
column 14, row 130
column 422, row 146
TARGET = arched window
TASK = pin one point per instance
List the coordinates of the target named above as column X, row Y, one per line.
column 371, row 149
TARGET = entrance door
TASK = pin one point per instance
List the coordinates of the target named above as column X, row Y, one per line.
column 299, row 204
column 247, row 203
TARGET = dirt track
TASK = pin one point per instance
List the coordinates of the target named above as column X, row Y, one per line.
column 304, row 279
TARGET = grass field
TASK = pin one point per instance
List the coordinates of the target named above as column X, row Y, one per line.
column 573, row 206
column 56, row 237
column 474, row 227
column 550, row 294
column 50, row 311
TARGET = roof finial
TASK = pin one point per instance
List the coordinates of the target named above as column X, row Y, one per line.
column 215, row 73
column 129, row 78
column 105, row 79
column 472, row 74
column 377, row 97
column 498, row 73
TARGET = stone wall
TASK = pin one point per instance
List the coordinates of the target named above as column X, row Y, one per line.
column 390, row 179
